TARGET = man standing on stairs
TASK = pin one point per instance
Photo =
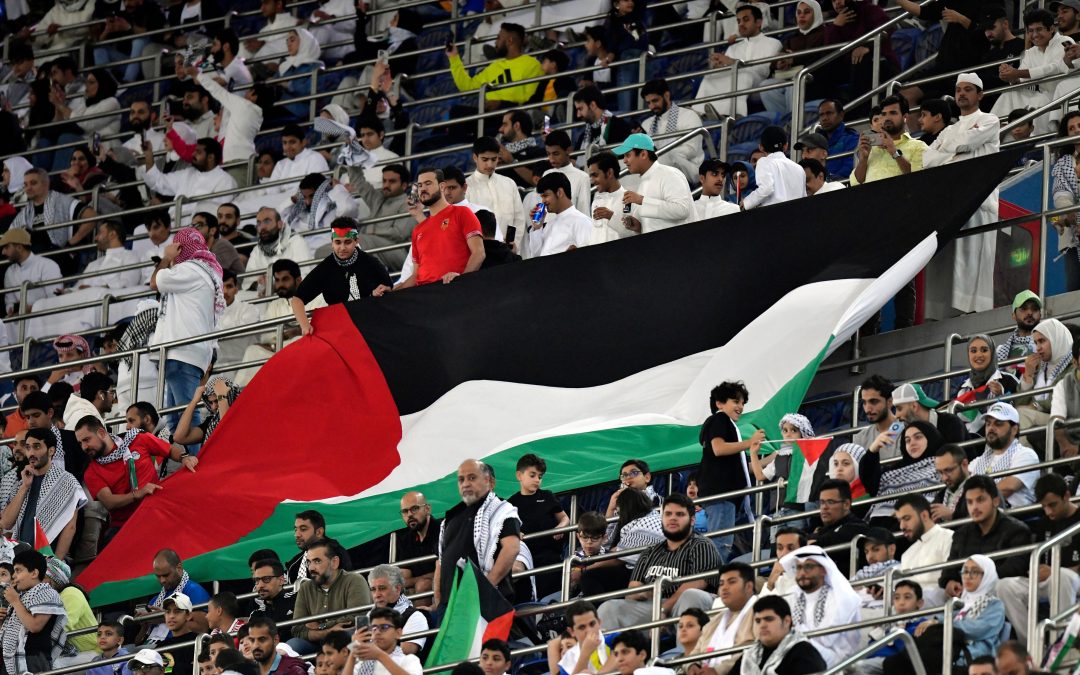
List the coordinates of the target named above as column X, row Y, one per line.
column 964, row 281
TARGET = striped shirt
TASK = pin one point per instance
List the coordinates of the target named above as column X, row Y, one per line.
column 697, row 554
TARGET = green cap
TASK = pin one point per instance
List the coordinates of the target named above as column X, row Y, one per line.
column 635, row 142
column 1024, row 296
column 913, row 393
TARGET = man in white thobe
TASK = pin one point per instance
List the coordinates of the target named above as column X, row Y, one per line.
column 961, row 278
column 270, row 41
column 778, row 178
column 663, row 197
column 711, row 204
column 607, row 205
column 495, row 191
column 1044, row 58
column 558, row 146
column 929, row 544
column 668, row 117
column 750, row 46
column 821, row 583
column 563, row 227
column 298, row 162
column 110, row 245
column 25, row 266
column 203, row 177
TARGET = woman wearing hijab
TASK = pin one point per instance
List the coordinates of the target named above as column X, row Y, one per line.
column 345, row 275
column 100, row 99
column 810, row 33
column 982, row 618
column 913, row 472
column 15, row 169
column 82, row 168
column 1051, row 362
column 846, row 464
column 986, row 381
column 218, row 395
column 639, row 525
column 304, row 53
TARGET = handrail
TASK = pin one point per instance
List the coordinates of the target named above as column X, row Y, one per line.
column 910, row 648
column 1034, row 635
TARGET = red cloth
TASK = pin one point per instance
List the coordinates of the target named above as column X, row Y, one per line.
column 440, row 243
column 115, row 475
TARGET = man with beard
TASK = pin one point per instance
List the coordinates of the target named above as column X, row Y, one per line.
column 668, row 117
column 224, row 251
column 964, row 281
column 109, row 240
column 517, row 144
column 824, row 599
column 929, row 544
column 602, row 127
column 197, row 110
column 329, row 589
column 897, row 153
column 387, row 200
column 42, row 492
column 108, row 479
column 45, row 207
column 277, row 242
column 683, row 553
column 203, row 177
column 347, row 274
column 492, row 546
column 225, row 48
column 169, row 570
column 446, row 244
column 263, row 634
column 989, row 531
column 308, row 526
column 388, row 591
column 286, row 280
column 419, row 538
column 271, row 600
column 141, row 120
column 1027, row 313
column 228, row 215
column 1003, row 44
column 951, row 463
column 512, row 65
column 1004, row 452
column 912, row 405
column 39, row 413
column 26, row 267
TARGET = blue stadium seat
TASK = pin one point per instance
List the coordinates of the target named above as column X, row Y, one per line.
column 904, row 42
column 687, row 63
column 438, row 85
column 435, row 37
column 749, row 128
column 741, row 151
column 430, row 112
column 928, row 43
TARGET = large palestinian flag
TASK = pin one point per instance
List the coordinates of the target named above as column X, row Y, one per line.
column 585, row 358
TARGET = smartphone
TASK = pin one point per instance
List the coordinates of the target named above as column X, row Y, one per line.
column 361, row 622
column 896, row 427
column 875, row 138
column 95, row 143
column 383, row 57
column 414, row 195
column 511, row 234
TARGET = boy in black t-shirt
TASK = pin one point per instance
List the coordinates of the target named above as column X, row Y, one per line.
column 723, row 464
column 539, row 510
column 177, row 612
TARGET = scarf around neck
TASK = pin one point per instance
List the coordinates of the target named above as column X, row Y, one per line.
column 58, row 208
column 166, row 592
column 514, row 147
column 368, row 667
column 215, row 419
column 58, row 498
column 41, row 599
column 798, row 612
column 995, row 462
column 671, row 120
column 487, row 526
column 751, row 659
column 976, row 601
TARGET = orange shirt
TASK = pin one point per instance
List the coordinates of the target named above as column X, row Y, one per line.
column 440, row 243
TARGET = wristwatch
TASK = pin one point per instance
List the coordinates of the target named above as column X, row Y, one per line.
column 897, row 154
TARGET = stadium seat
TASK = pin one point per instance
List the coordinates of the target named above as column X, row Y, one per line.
column 749, row 128
column 904, row 42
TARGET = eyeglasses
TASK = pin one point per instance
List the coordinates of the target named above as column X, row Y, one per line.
column 412, row 510
column 264, row 580
column 630, row 474
column 381, row 627
column 971, row 573
column 589, row 537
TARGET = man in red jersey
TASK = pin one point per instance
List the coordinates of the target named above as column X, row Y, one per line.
column 446, row 244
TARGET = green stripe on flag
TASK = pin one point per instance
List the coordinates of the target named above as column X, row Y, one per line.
column 461, row 622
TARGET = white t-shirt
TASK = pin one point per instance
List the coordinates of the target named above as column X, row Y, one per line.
column 408, row 662
column 188, row 298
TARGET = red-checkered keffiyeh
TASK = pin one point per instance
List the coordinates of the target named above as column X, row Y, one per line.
column 193, row 249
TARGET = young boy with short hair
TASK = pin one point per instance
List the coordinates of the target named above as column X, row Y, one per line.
column 590, row 653
column 539, row 510
column 110, row 640
column 177, row 612
column 495, row 657
column 335, row 647
column 907, row 597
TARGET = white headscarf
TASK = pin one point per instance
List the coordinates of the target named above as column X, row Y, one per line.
column 309, row 51
column 18, row 168
column 844, row 598
column 1061, row 342
column 853, row 450
column 818, row 20
column 975, row 601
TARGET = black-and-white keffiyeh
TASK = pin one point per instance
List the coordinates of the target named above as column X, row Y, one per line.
column 41, row 599
column 166, row 592
column 138, row 332
column 209, row 390
column 874, row 570
column 671, row 123
column 354, row 154
column 402, row 604
column 300, row 212
column 58, row 456
column 1013, row 341
column 368, row 667
column 751, row 658
column 514, row 147
column 488, row 525
column 988, row 462
column 798, row 612
column 919, row 474
column 122, row 451
column 596, row 132
column 58, row 208
column 58, row 499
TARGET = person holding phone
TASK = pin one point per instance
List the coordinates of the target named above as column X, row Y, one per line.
column 376, row 640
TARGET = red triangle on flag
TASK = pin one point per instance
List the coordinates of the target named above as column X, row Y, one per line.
column 41, row 540
column 812, row 448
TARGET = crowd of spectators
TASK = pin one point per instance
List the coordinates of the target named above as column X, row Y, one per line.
column 94, row 159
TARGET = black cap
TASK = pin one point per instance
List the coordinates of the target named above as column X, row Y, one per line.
column 880, row 535
column 774, row 138
column 990, row 14
column 714, row 164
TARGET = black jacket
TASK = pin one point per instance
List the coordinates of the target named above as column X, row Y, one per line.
column 497, row 253
column 841, row 532
column 1007, row 532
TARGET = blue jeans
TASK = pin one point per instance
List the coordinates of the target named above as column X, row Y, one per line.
column 776, row 100
column 624, row 75
column 720, row 516
column 132, row 71
column 181, row 381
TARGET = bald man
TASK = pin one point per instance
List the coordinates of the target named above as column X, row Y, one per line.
column 494, row 554
column 419, row 538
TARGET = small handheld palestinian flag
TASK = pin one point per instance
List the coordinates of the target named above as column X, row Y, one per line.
column 41, row 540
column 475, row 613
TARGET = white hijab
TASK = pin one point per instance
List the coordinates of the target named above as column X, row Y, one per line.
column 1059, row 336
column 18, row 168
column 975, row 601
column 818, row 20
column 309, row 51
